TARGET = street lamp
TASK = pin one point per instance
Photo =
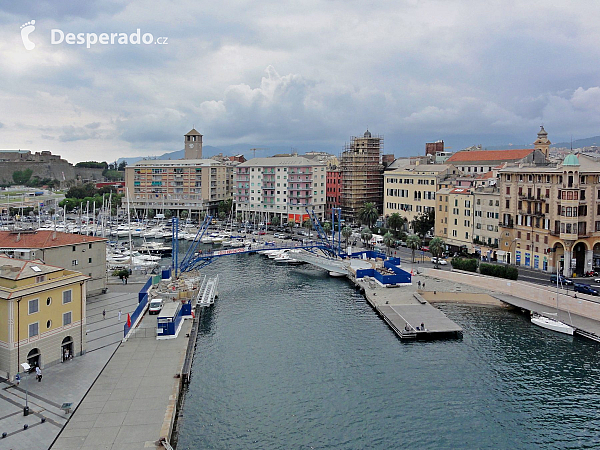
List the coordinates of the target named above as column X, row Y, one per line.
column 512, row 242
column 26, row 367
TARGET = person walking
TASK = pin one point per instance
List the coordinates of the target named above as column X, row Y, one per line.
column 38, row 373
column 104, row 313
column 119, row 315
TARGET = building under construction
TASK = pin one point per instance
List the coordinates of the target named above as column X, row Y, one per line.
column 362, row 174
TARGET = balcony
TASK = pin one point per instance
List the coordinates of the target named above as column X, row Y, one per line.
column 509, row 224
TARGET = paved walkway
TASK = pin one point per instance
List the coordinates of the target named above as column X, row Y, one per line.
column 133, row 402
column 63, row 382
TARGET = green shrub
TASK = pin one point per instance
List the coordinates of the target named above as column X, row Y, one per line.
column 468, row 265
column 496, row 270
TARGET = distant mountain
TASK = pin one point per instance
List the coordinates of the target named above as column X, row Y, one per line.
column 578, row 143
column 236, row 149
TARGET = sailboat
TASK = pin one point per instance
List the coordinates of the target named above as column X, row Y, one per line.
column 542, row 320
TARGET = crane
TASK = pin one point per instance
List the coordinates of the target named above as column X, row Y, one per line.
column 253, row 150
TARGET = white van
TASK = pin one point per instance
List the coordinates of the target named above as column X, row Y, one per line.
column 155, row 306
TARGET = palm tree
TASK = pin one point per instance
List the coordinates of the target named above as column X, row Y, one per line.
column 413, row 242
column 346, row 232
column 326, row 228
column 388, row 240
column 275, row 221
column 366, row 235
column 368, row 214
column 291, row 224
column 436, row 247
column 396, row 222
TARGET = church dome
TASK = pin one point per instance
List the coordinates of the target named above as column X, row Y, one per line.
column 367, row 134
column 542, row 132
column 570, row 160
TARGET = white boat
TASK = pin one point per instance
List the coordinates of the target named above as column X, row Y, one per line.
column 551, row 324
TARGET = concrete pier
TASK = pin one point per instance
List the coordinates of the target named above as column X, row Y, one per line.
column 404, row 310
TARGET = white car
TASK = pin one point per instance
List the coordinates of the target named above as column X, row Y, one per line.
column 440, row 261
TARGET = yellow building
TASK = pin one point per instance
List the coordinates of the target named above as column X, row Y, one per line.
column 454, row 219
column 42, row 314
column 410, row 191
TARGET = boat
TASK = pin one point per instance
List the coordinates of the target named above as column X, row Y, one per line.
column 542, row 320
column 552, row 324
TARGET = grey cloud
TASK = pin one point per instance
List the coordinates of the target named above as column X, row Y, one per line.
column 72, row 133
column 61, row 9
column 1, row 125
column 93, row 125
column 47, row 137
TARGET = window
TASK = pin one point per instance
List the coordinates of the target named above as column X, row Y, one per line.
column 74, row 262
column 90, row 260
column 507, row 190
column 48, row 324
column 48, row 301
column 90, row 246
column 67, row 296
column 67, row 318
column 33, row 329
column 34, row 306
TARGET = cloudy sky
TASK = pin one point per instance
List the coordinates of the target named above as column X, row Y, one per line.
column 304, row 74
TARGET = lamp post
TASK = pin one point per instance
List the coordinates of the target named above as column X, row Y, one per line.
column 512, row 242
column 26, row 367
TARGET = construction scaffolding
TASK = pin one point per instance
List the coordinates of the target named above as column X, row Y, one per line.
column 362, row 174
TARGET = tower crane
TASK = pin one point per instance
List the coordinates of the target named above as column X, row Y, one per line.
column 253, row 150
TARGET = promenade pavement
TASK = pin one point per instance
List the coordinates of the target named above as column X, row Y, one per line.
column 63, row 382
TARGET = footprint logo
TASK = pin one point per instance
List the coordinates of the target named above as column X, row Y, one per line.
column 26, row 29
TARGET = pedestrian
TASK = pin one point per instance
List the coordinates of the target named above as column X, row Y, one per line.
column 423, row 285
column 104, row 313
column 119, row 315
column 422, row 326
column 419, row 283
column 17, row 379
column 38, row 373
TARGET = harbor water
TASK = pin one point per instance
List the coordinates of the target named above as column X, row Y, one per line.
column 291, row 358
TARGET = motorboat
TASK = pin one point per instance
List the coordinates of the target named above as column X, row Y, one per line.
column 155, row 248
column 552, row 324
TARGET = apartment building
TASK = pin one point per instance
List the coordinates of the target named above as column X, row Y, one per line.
column 42, row 314
column 411, row 190
column 85, row 254
column 550, row 215
column 185, row 184
column 486, row 214
column 333, row 189
column 282, row 187
column 362, row 174
column 454, row 219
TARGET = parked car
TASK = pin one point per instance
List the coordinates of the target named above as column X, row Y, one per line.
column 561, row 279
column 585, row 289
column 440, row 261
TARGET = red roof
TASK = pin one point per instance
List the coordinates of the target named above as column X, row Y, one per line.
column 43, row 239
column 489, row 155
column 486, row 175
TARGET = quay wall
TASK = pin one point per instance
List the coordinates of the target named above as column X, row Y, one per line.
column 584, row 305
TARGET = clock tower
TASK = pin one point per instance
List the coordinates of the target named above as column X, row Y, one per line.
column 193, row 145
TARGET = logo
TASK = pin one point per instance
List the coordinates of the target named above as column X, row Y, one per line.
column 26, row 29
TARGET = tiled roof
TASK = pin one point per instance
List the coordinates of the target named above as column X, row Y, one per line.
column 43, row 239
column 489, row 155
column 16, row 269
column 460, row 191
column 486, row 175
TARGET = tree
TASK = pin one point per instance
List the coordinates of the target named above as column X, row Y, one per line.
column 436, row 247
column 121, row 166
column 368, row 214
column 388, row 240
column 222, row 215
column 22, row 176
column 366, row 235
column 183, row 214
column 326, row 228
column 275, row 221
column 225, row 206
column 346, row 232
column 423, row 223
column 291, row 224
column 413, row 242
column 396, row 222
column 307, row 224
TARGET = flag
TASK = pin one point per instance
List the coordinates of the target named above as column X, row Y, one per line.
column 128, row 320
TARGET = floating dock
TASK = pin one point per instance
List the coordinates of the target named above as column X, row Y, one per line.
column 407, row 312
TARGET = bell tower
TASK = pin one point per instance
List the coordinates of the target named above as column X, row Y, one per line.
column 193, row 145
column 542, row 143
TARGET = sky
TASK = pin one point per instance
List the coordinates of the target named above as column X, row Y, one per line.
column 307, row 75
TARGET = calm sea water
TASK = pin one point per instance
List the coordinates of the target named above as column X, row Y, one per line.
column 289, row 358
